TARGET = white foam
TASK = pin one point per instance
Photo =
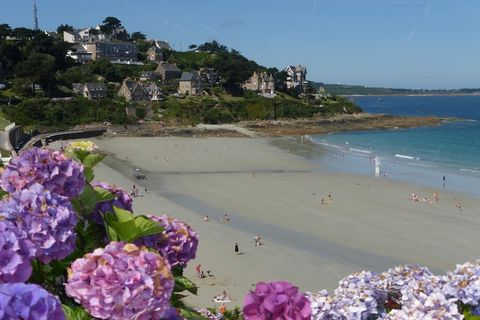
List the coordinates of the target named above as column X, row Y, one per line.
column 470, row 170
column 360, row 150
column 405, row 157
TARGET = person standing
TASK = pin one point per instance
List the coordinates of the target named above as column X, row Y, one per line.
column 198, row 268
column 444, row 182
column 236, row 248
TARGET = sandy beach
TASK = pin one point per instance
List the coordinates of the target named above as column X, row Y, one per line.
column 276, row 193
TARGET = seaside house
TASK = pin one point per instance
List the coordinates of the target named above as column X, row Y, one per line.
column 84, row 35
column 261, row 82
column 190, row 84
column 296, row 76
column 79, row 54
column 91, row 90
column 113, row 51
column 133, row 91
column 154, row 92
column 168, row 71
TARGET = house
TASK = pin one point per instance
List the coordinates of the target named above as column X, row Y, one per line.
column 84, row 36
column 113, row 51
column 209, row 76
column 190, row 84
column 133, row 91
column 164, row 45
column 155, row 54
column 153, row 91
column 261, row 83
column 296, row 76
column 168, row 71
column 149, row 76
column 79, row 54
column 91, row 90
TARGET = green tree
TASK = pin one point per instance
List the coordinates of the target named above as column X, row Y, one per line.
column 5, row 31
column 64, row 27
column 192, row 46
column 137, row 36
column 38, row 69
column 106, row 69
column 22, row 34
column 110, row 25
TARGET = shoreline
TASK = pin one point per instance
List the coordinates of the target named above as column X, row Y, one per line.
column 369, row 225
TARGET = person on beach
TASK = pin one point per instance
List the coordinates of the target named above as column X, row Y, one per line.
column 436, row 197
column 458, row 205
column 198, row 268
column 324, row 203
column 444, row 182
column 414, row 197
column 206, row 219
column 226, row 218
column 329, row 197
column 236, row 248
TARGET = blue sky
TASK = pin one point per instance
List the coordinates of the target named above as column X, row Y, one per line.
column 394, row 43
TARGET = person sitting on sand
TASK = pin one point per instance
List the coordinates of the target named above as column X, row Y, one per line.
column 436, row 197
column 206, row 219
column 324, row 203
column 414, row 197
column 329, row 197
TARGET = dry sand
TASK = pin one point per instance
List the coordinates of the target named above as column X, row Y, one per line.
column 369, row 225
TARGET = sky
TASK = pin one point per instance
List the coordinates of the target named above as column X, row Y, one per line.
column 429, row 44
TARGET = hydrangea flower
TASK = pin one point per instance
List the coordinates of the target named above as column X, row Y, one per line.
column 122, row 200
column 121, row 281
column 28, row 302
column 178, row 242
column 421, row 300
column 394, row 279
column 47, row 218
column 323, row 306
column 16, row 251
column 276, row 300
column 464, row 283
column 82, row 145
column 52, row 169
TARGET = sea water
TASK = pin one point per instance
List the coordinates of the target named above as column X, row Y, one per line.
column 421, row 155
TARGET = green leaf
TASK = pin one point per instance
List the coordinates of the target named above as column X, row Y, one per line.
column 75, row 313
column 3, row 193
column 125, row 226
column 190, row 314
column 92, row 160
column 183, row 283
column 103, row 195
column 80, row 155
column 86, row 202
column 88, row 173
column 123, row 215
column 146, row 227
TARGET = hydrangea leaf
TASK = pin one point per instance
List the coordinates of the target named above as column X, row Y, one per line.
column 88, row 172
column 86, row 202
column 189, row 314
column 122, row 215
column 80, row 154
column 103, row 195
column 183, row 283
column 75, row 313
column 124, row 226
column 146, row 227
column 92, row 160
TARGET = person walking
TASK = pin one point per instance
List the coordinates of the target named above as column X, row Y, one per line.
column 236, row 248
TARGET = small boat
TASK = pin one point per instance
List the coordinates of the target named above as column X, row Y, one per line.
column 380, row 99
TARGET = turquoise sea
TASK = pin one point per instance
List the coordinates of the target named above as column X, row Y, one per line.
column 421, row 155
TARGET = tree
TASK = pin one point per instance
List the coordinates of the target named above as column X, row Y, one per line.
column 38, row 69
column 5, row 31
column 64, row 27
column 110, row 25
column 137, row 35
column 213, row 47
column 192, row 46
column 23, row 34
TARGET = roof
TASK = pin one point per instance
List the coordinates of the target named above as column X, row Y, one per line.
column 169, row 67
column 96, row 86
column 162, row 44
column 189, row 76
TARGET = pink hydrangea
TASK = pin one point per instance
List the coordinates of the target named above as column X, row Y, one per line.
column 277, row 300
column 121, row 281
column 178, row 242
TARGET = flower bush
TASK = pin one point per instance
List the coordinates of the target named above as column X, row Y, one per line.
column 178, row 242
column 73, row 249
column 52, row 169
column 121, row 281
column 48, row 220
column 28, row 302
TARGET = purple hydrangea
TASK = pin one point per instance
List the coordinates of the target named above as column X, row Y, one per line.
column 356, row 297
column 47, row 218
column 16, row 251
column 178, row 242
column 122, row 200
column 121, row 281
column 394, row 279
column 52, row 169
column 464, row 283
column 28, row 302
column 277, row 301
column 424, row 300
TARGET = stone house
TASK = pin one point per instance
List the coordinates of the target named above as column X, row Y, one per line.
column 153, row 90
column 168, row 71
column 209, row 76
column 91, row 90
column 190, row 84
column 79, row 54
column 133, row 91
column 155, row 54
column 260, row 82
column 296, row 76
